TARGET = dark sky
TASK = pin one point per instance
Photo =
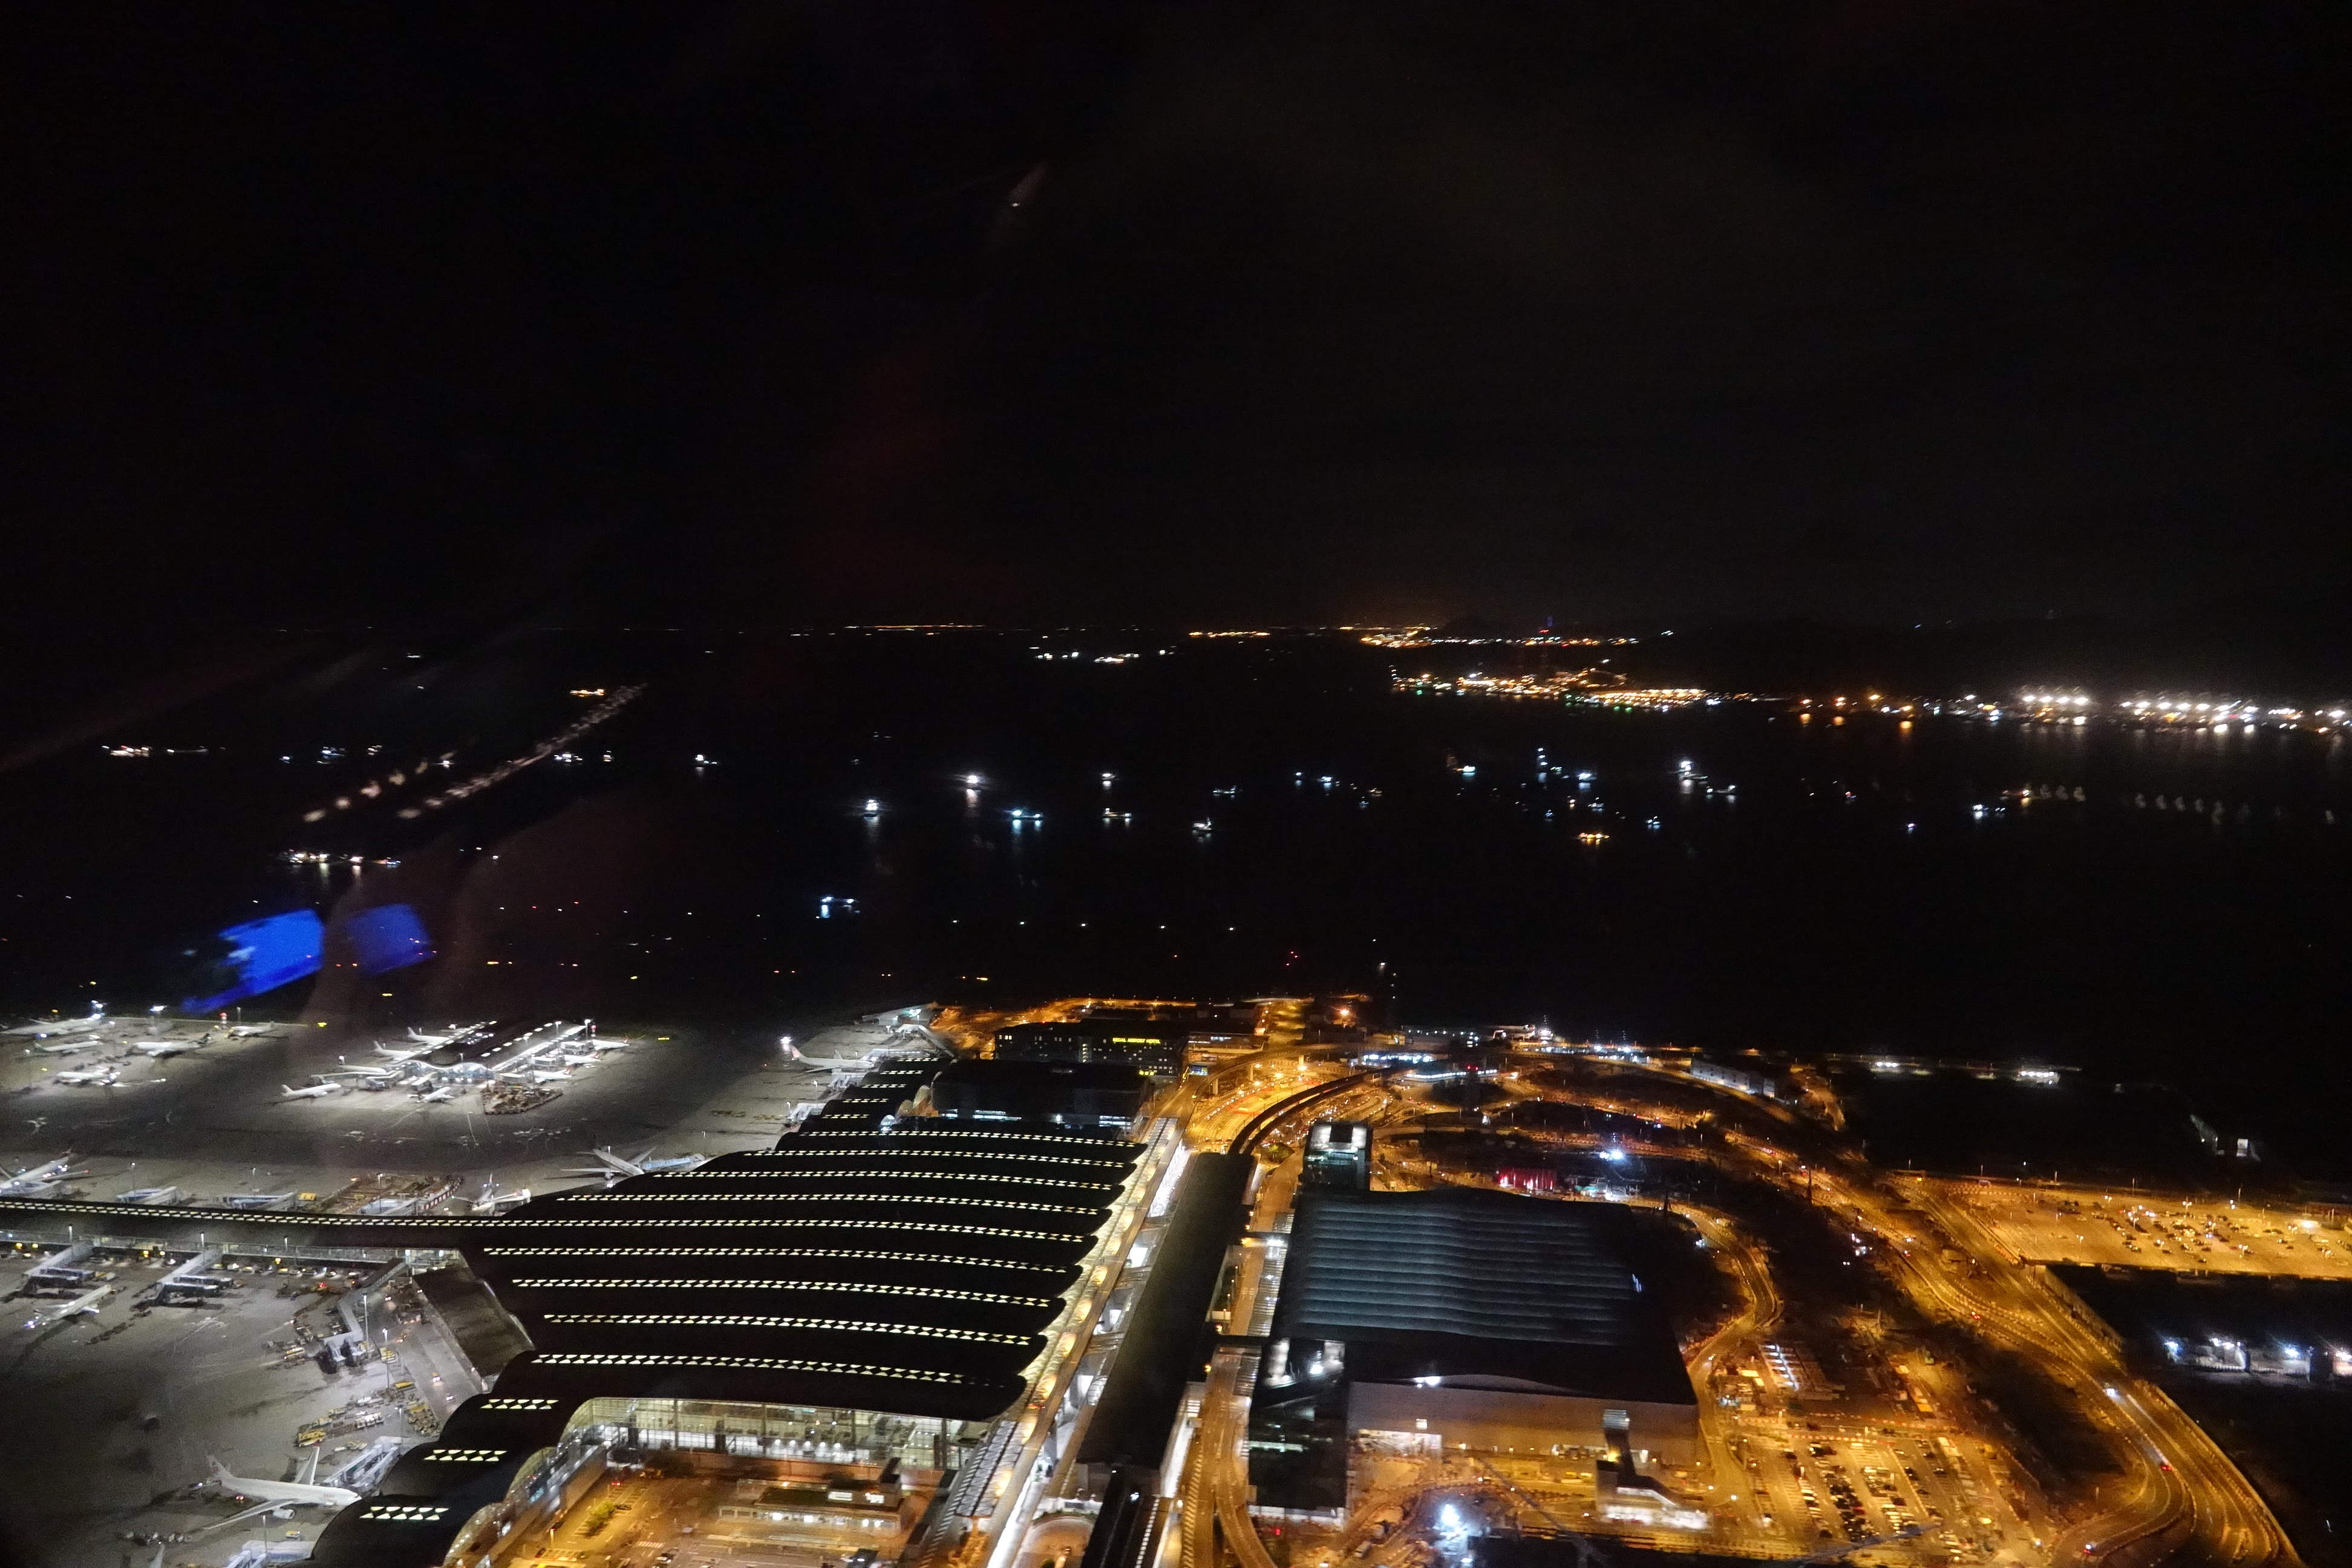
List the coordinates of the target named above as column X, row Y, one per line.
column 1306, row 312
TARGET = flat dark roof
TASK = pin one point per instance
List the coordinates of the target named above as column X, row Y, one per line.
column 1478, row 1287
column 1160, row 1349
column 1036, row 1092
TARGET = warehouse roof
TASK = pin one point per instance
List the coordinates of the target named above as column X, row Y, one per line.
column 1478, row 1287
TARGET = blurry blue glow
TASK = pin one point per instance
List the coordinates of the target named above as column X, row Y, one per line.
column 267, row 954
column 389, row 936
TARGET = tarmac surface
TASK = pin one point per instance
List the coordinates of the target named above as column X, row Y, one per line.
column 217, row 1120
column 85, row 1471
column 84, row 1468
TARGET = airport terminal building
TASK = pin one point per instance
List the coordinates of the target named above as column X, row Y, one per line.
column 854, row 1320
column 1459, row 1319
column 870, row 1342
column 1154, row 1045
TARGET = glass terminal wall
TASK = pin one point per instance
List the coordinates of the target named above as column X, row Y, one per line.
column 810, row 1432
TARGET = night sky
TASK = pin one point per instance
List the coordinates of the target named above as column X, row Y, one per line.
column 1018, row 311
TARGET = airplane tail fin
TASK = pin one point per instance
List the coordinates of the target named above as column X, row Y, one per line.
column 310, row 1471
column 220, row 1471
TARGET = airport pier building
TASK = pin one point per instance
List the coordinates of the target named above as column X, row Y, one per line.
column 860, row 1319
column 866, row 1332
column 1459, row 1319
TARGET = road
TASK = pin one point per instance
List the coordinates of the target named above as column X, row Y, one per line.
column 2180, row 1487
column 2181, row 1482
column 2181, row 1475
column 1759, row 1310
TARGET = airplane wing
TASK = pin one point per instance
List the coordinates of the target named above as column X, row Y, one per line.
column 253, row 1512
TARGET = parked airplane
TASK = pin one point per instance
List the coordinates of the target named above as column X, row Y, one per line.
column 34, row 1180
column 102, row 1077
column 47, row 1028
column 49, row 1313
column 612, row 1167
column 402, row 1053
column 168, row 1048
column 550, row 1075
column 66, row 1047
column 495, row 1199
column 310, row 1092
column 437, row 1094
column 149, row 1196
column 277, row 1497
column 600, row 1043
column 373, row 1074
column 256, row 1200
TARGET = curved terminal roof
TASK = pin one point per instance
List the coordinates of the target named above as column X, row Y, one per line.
column 912, row 1269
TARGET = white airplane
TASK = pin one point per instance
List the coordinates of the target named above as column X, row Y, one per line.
column 550, row 1075
column 375, row 1074
column 600, row 1043
column 256, row 1200
column 58, row 1311
column 437, row 1094
column 36, row 1179
column 168, row 1048
column 102, row 1077
column 310, row 1092
column 612, row 1167
column 277, row 1497
column 579, row 1059
column 148, row 1195
column 495, row 1199
column 66, row 1047
column 402, row 1053
column 62, row 1026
